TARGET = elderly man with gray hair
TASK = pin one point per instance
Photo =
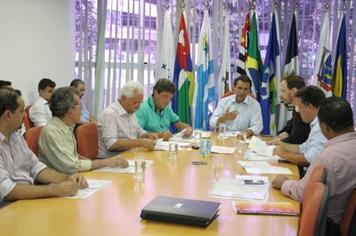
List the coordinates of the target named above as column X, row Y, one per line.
column 57, row 144
column 117, row 126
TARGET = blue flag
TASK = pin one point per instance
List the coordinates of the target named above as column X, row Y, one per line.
column 340, row 63
column 271, row 79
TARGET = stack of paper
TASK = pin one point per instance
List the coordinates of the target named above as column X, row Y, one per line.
column 261, row 147
column 231, row 133
column 222, row 149
column 254, row 156
column 254, row 163
column 93, row 186
column 242, row 187
column 271, row 170
column 130, row 169
column 183, row 139
column 164, row 145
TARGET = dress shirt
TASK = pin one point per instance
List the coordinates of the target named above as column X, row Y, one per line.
column 297, row 130
column 58, row 148
column 339, row 160
column 18, row 164
column 40, row 113
column 315, row 142
column 153, row 121
column 85, row 115
column 249, row 114
column 114, row 124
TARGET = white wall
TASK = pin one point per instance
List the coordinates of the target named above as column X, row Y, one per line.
column 36, row 41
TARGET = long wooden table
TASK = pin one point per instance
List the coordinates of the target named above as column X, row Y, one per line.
column 116, row 209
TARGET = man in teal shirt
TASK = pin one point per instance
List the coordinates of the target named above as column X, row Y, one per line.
column 156, row 115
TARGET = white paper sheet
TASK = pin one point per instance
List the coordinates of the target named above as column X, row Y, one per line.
column 272, row 170
column 130, row 169
column 261, row 147
column 253, row 156
column 164, row 145
column 237, row 189
column 254, row 163
column 222, row 149
column 94, row 186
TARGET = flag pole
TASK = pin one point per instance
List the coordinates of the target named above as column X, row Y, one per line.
column 344, row 7
column 276, row 5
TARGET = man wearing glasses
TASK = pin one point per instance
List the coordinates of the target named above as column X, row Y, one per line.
column 57, row 144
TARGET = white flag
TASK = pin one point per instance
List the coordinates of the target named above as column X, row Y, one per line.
column 166, row 50
column 205, row 85
column 323, row 68
column 224, row 81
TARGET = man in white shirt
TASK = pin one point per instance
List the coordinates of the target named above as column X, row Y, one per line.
column 86, row 116
column 240, row 112
column 118, row 127
column 40, row 113
column 22, row 175
column 308, row 101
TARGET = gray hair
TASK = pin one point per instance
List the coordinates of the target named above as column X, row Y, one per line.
column 130, row 88
column 61, row 100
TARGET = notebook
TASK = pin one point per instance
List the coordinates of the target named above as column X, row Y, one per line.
column 180, row 210
column 265, row 208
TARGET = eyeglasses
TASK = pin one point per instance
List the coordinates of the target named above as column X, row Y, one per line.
column 76, row 106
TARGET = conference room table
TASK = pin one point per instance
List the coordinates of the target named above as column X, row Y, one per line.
column 115, row 210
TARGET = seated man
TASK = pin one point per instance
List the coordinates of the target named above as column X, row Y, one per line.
column 156, row 115
column 296, row 131
column 19, row 167
column 117, row 125
column 57, row 144
column 86, row 116
column 338, row 158
column 240, row 112
column 308, row 101
column 40, row 113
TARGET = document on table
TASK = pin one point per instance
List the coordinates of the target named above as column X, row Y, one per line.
column 164, row 145
column 254, row 156
column 130, row 169
column 231, row 133
column 272, row 170
column 254, row 163
column 222, row 149
column 93, row 186
column 261, row 147
column 237, row 188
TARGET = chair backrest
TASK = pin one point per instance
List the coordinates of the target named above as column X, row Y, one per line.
column 87, row 140
column 348, row 224
column 26, row 120
column 314, row 210
column 228, row 93
column 317, row 176
column 31, row 136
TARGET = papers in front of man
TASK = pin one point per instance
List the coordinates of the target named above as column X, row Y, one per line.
column 94, row 185
column 254, row 163
column 265, row 208
column 164, row 145
column 254, row 156
column 261, row 147
column 130, row 169
column 268, row 170
column 192, row 139
column 243, row 187
column 222, row 149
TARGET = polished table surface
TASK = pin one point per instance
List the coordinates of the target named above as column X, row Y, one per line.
column 115, row 210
